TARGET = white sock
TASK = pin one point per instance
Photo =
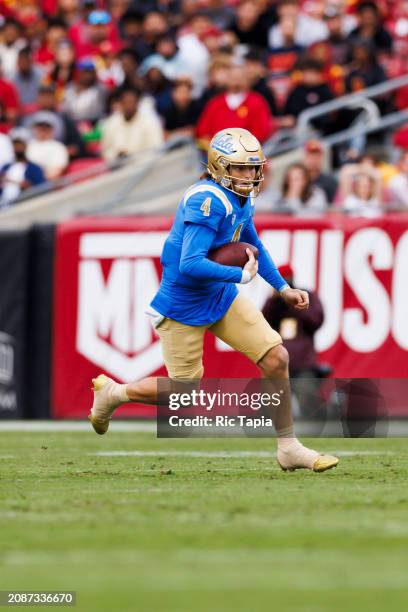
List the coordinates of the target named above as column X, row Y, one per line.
column 286, row 438
column 118, row 393
column 123, row 393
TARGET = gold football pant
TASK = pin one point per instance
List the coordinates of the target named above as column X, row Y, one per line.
column 243, row 328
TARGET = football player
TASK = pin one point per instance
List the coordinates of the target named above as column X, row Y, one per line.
column 197, row 294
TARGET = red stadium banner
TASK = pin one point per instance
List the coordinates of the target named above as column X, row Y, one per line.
column 108, row 269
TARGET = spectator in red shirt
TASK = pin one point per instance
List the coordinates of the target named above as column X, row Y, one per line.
column 56, row 32
column 237, row 107
column 78, row 30
column 9, row 99
column 401, row 137
column 99, row 29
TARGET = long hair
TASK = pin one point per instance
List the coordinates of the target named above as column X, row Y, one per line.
column 308, row 188
column 373, row 184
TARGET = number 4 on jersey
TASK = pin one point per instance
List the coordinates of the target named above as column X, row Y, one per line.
column 206, row 207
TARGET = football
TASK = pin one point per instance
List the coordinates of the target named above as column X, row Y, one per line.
column 232, row 254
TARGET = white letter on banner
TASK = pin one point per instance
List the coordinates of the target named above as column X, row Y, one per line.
column 277, row 242
column 104, row 307
column 145, row 285
column 360, row 336
column 111, row 324
column 400, row 293
column 330, row 288
column 304, row 258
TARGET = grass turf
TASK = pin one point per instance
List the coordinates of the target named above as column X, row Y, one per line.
column 169, row 533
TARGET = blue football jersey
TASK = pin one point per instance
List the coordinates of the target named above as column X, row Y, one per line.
column 193, row 289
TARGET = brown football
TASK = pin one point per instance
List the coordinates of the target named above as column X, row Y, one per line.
column 232, row 254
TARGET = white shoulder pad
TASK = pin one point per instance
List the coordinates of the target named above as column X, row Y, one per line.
column 211, row 189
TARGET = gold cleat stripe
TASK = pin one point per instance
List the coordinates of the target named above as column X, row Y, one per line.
column 325, row 463
column 321, row 464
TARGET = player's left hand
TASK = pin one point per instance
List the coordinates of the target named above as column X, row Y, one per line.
column 297, row 298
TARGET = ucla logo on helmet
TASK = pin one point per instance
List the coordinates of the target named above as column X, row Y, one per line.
column 224, row 144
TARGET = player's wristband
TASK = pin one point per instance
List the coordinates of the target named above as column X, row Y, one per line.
column 283, row 288
column 245, row 278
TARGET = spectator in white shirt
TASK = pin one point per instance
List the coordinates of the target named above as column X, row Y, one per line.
column 193, row 53
column 398, row 185
column 133, row 128
column 307, row 31
column 19, row 174
column 364, row 199
column 299, row 196
column 44, row 149
column 84, row 100
column 10, row 44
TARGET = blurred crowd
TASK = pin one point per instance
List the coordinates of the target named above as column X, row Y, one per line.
column 365, row 187
column 89, row 80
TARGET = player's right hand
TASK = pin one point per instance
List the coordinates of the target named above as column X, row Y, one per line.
column 251, row 266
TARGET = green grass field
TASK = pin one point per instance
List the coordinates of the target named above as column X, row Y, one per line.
column 210, row 532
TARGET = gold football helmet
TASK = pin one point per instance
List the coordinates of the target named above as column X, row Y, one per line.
column 236, row 147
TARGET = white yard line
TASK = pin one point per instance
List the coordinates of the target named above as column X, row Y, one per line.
column 221, row 454
column 45, row 426
column 332, row 429
column 216, row 454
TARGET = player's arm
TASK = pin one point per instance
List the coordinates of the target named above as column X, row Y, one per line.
column 204, row 213
column 269, row 272
column 197, row 241
column 267, row 268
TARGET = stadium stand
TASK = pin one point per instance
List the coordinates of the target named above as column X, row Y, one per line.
column 117, row 79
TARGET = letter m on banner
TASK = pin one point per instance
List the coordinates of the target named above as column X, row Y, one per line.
column 113, row 330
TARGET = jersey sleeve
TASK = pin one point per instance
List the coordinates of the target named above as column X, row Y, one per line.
column 197, row 241
column 204, row 208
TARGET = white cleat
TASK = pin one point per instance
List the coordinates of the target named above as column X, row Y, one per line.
column 300, row 457
column 103, row 404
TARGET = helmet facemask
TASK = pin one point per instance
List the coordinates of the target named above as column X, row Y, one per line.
column 241, row 186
